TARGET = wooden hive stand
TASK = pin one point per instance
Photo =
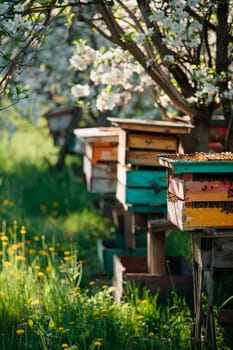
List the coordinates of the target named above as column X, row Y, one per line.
column 200, row 200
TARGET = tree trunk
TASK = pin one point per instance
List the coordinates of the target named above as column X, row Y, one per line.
column 197, row 140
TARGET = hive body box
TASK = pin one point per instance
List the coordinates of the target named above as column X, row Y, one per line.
column 141, row 182
column 200, row 192
column 99, row 163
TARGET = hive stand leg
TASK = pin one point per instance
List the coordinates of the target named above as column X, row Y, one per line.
column 210, row 336
column 156, row 253
column 197, row 288
column 156, row 244
column 203, row 286
column 130, row 242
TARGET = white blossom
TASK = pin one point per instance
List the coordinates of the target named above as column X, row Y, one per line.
column 80, row 90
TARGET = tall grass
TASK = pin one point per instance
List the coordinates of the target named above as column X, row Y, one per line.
column 50, row 297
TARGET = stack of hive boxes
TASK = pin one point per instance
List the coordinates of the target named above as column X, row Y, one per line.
column 100, row 158
column 142, row 190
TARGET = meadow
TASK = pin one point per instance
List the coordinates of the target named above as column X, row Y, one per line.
column 52, row 292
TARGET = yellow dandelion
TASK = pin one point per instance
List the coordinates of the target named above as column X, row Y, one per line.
column 104, row 286
column 20, row 258
column 19, row 331
column 23, row 230
column 51, row 249
column 1, row 252
column 42, row 252
column 5, row 201
column 36, row 238
column 64, row 346
column 3, row 211
column 37, row 267
column 4, row 238
column 61, row 329
column 140, row 317
column 67, row 258
column 40, row 274
column 4, row 244
column 49, row 268
column 71, row 322
column 67, row 252
column 29, row 301
column 92, row 283
column 7, row 263
column 11, row 204
column 150, row 334
column 31, row 251
column 55, row 204
column 98, row 343
column 2, row 294
column 144, row 301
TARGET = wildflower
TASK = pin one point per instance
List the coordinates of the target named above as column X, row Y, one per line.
column 64, row 346
column 7, row 263
column 29, row 301
column 31, row 251
column 40, row 274
column 23, row 230
column 42, row 252
column 92, row 283
column 37, row 267
column 20, row 331
column 61, row 329
column 144, row 301
column 5, row 202
column 36, row 238
column 20, row 258
column 4, row 238
column 67, row 252
column 98, row 342
column 49, row 268
column 140, row 317
column 51, row 249
column 55, row 204
column 104, row 286
column 67, row 258
column 2, row 294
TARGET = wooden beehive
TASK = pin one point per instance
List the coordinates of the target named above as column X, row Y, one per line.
column 99, row 164
column 141, row 182
column 200, row 190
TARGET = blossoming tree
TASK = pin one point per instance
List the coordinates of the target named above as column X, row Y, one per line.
column 181, row 49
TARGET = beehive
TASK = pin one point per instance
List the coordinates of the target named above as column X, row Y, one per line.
column 200, row 190
column 99, row 163
column 141, row 182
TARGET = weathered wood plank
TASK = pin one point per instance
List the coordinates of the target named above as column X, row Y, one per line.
column 161, row 126
column 101, row 134
column 198, row 191
column 101, row 170
column 190, row 218
column 135, row 196
column 101, row 152
column 153, row 141
column 138, row 157
column 131, row 177
column 98, row 185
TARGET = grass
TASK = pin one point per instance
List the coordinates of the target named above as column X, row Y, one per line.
column 51, row 293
